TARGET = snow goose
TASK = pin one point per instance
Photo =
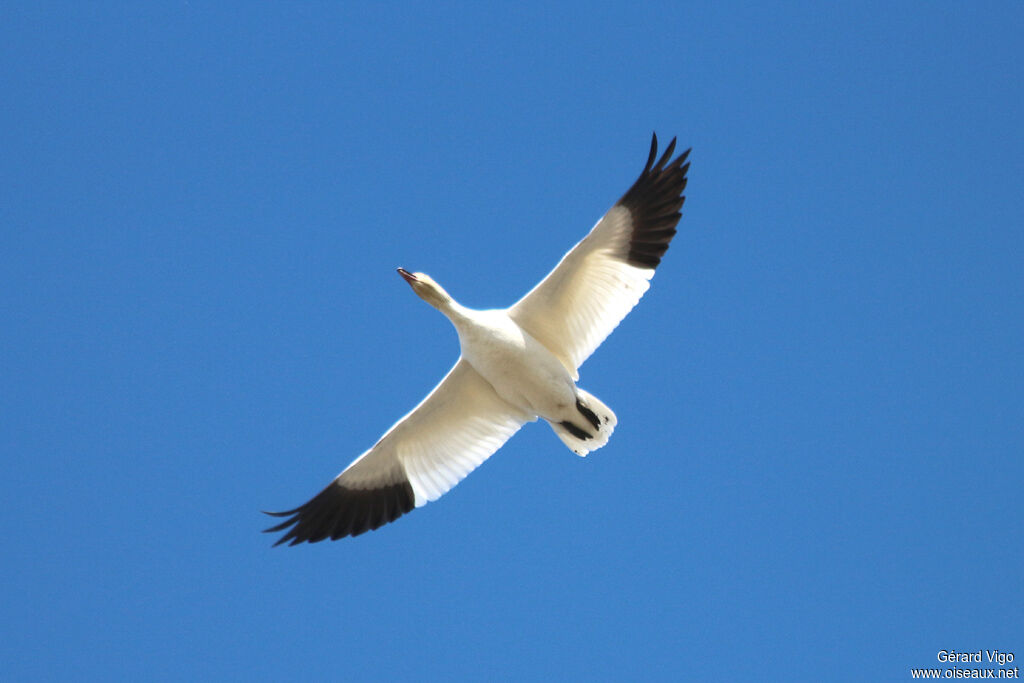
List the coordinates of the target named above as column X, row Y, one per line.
column 516, row 364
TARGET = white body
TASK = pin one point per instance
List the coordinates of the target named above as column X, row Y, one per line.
column 521, row 369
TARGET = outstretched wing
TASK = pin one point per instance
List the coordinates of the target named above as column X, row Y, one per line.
column 594, row 286
column 450, row 433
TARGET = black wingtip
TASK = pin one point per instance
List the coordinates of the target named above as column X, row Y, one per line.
column 653, row 154
column 280, row 514
column 654, row 202
column 339, row 511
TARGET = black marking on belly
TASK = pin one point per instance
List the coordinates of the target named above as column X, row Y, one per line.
column 589, row 414
column 575, row 431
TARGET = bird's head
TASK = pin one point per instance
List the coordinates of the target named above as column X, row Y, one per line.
column 427, row 289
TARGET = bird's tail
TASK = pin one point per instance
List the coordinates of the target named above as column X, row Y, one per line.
column 590, row 427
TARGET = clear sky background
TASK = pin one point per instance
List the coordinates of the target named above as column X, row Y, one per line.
column 817, row 473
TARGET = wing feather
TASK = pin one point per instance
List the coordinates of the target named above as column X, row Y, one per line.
column 601, row 279
column 461, row 423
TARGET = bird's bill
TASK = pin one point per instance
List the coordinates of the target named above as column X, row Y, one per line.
column 407, row 276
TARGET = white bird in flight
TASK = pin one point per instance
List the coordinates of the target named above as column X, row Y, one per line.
column 516, row 364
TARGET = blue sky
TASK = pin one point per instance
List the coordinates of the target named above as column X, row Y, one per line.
column 817, row 470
